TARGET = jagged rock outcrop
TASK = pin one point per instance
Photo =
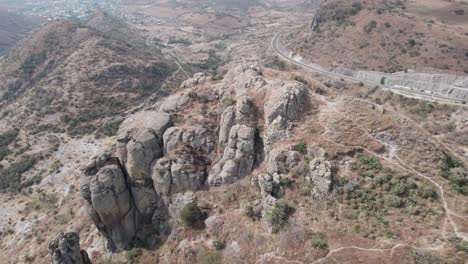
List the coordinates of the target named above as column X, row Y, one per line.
column 185, row 170
column 238, row 158
column 65, row 249
column 319, row 177
column 242, row 79
column 242, row 113
column 198, row 137
column 279, row 164
column 111, row 207
column 198, row 78
column 175, row 102
column 283, row 106
column 140, row 142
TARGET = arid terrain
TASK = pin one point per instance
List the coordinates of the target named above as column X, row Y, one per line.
column 174, row 132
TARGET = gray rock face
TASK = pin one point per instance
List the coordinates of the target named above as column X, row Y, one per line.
column 140, row 142
column 242, row 113
column 238, row 158
column 175, row 102
column 272, row 182
column 287, row 102
column 111, row 207
column 198, row 137
column 271, row 185
column 65, row 249
column 319, row 178
column 198, row 78
column 283, row 106
column 186, row 171
column 242, row 79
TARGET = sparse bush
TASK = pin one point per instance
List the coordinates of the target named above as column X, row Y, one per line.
column 278, row 216
column 395, row 201
column 459, row 12
column 192, row 216
column 463, row 246
column 219, row 244
column 301, row 147
column 249, row 211
column 304, row 189
column 369, row 27
column 368, row 166
column 277, row 63
column 10, row 177
column 318, row 241
column 301, row 80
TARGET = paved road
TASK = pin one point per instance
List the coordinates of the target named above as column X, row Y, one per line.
column 407, row 92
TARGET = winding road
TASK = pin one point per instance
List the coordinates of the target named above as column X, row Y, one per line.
column 405, row 91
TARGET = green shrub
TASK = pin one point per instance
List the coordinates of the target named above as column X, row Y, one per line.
column 304, row 189
column 249, row 211
column 463, row 246
column 427, row 193
column 219, row 244
column 10, row 177
column 369, row 27
column 318, row 241
column 277, row 63
column 192, row 216
column 8, row 137
column 278, row 216
column 368, row 165
column 211, row 257
column 301, row 79
column 395, row 201
column 301, row 147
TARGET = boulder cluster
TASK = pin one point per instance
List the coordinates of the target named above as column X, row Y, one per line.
column 159, row 159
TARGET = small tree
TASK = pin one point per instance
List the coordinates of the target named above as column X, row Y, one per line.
column 192, row 216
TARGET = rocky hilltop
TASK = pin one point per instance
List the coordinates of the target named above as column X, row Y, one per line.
column 251, row 131
column 108, row 156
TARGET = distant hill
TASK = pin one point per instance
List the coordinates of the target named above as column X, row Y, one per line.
column 79, row 73
column 14, row 27
column 386, row 36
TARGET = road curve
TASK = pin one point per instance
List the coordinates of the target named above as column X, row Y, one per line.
column 405, row 92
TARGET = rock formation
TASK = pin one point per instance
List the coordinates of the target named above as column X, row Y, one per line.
column 65, row 249
column 198, row 78
column 283, row 106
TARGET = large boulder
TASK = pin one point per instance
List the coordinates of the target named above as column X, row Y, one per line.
column 65, row 249
column 140, row 142
column 238, row 157
column 283, row 106
column 286, row 101
column 186, row 170
column 175, row 102
column 242, row 113
column 319, row 178
column 198, row 78
column 105, row 188
column 241, row 80
column 198, row 137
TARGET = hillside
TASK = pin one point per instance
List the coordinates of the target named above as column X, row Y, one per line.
column 14, row 27
column 65, row 75
column 387, row 36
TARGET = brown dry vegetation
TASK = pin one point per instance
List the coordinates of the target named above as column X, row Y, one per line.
column 386, row 36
